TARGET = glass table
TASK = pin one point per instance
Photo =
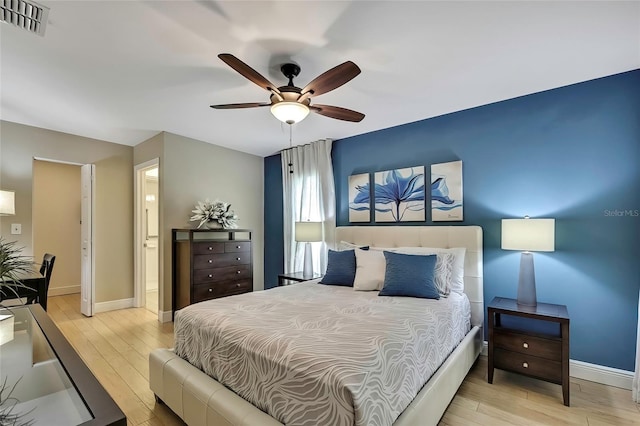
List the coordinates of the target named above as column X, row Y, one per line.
column 43, row 381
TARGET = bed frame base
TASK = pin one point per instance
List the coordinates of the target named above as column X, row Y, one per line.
column 200, row 400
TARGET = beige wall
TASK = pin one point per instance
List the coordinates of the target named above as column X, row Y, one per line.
column 191, row 170
column 56, row 222
column 114, row 197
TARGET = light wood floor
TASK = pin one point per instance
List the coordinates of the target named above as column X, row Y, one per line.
column 116, row 345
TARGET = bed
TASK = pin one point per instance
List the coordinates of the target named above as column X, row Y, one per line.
column 200, row 400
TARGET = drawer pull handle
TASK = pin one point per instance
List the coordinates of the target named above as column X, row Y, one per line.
column 210, row 275
column 525, row 364
column 525, row 345
column 210, row 261
column 238, row 247
column 210, row 248
column 238, row 285
column 237, row 258
column 237, row 272
column 210, row 290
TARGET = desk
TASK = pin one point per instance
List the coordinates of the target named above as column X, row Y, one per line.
column 52, row 383
column 35, row 282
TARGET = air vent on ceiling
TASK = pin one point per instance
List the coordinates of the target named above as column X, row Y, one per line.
column 28, row 15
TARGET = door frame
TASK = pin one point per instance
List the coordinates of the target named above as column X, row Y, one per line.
column 139, row 236
column 88, row 269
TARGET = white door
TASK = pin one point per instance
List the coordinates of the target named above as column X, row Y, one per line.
column 87, row 283
column 148, row 239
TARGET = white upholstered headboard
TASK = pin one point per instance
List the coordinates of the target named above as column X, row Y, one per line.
column 469, row 237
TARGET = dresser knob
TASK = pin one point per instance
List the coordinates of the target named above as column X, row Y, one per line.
column 525, row 345
column 237, row 272
column 525, row 364
column 237, row 247
column 237, row 258
column 210, row 275
column 210, row 248
column 210, row 261
column 210, row 290
column 238, row 285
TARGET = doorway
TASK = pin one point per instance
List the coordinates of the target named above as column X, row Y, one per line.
column 62, row 219
column 147, row 292
column 56, row 222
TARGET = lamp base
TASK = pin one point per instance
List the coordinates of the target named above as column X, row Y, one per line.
column 307, row 271
column 527, row 281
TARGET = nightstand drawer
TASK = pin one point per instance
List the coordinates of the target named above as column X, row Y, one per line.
column 530, row 345
column 527, row 364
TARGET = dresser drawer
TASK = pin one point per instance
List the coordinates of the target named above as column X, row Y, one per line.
column 528, row 364
column 204, row 292
column 227, row 273
column 536, row 346
column 220, row 260
column 207, row 247
column 237, row 247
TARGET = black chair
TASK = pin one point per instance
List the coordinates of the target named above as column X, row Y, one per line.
column 46, row 269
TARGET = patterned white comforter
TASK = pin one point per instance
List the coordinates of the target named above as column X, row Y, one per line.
column 310, row 354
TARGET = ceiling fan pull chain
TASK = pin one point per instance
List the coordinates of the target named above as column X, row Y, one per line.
column 290, row 146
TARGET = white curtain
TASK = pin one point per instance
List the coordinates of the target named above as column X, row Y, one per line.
column 308, row 195
column 635, row 390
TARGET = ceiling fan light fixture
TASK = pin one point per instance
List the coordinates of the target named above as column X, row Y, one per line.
column 289, row 112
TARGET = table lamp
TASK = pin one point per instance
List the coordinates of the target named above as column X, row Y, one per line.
column 7, row 203
column 528, row 235
column 308, row 232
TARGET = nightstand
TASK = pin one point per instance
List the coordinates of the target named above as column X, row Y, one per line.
column 535, row 345
column 296, row 277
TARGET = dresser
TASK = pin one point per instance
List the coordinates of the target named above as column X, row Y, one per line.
column 533, row 341
column 210, row 263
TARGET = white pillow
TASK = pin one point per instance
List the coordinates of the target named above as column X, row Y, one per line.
column 370, row 270
column 457, row 268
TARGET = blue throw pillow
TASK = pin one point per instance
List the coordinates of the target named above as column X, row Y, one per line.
column 341, row 268
column 409, row 275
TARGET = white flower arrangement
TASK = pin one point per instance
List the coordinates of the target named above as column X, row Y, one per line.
column 217, row 213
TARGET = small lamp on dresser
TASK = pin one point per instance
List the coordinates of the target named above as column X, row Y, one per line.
column 308, row 232
column 528, row 235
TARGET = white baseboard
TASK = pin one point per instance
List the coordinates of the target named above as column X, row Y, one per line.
column 165, row 316
column 59, row 291
column 601, row 374
column 593, row 372
column 112, row 305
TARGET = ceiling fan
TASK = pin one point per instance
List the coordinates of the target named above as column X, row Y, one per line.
column 291, row 104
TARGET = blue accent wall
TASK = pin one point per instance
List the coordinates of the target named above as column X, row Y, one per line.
column 571, row 153
column 273, row 226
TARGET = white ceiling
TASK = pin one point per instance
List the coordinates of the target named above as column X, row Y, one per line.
column 122, row 71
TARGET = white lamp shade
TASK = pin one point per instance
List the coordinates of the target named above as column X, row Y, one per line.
column 308, row 231
column 528, row 234
column 290, row 112
column 7, row 203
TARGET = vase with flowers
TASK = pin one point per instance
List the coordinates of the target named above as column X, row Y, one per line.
column 215, row 215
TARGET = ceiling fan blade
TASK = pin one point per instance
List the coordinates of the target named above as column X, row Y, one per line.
column 245, row 105
column 332, row 79
column 337, row 112
column 248, row 72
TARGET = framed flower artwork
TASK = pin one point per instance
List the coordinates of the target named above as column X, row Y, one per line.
column 399, row 195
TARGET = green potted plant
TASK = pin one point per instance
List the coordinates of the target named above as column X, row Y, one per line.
column 12, row 266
